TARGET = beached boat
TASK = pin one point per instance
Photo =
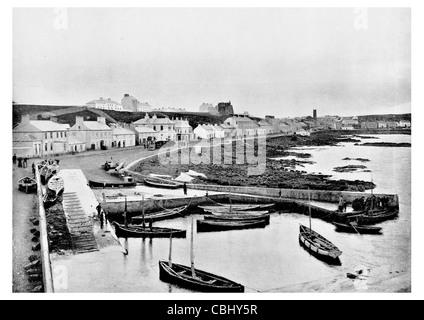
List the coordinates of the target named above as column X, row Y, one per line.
column 56, row 184
column 353, row 227
column 160, row 215
column 192, row 278
column 109, row 165
column 242, row 216
column 316, row 244
column 27, row 184
column 130, row 231
column 168, row 184
column 49, row 199
column 223, row 225
column 373, row 218
column 110, row 184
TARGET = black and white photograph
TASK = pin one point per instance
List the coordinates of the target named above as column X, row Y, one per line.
column 187, row 150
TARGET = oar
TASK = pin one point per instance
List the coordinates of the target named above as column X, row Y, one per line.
column 354, row 228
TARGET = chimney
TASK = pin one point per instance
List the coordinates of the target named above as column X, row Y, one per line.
column 79, row 120
column 25, row 119
column 54, row 119
column 126, row 95
column 101, row 120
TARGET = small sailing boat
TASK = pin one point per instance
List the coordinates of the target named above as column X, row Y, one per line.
column 316, row 244
column 192, row 278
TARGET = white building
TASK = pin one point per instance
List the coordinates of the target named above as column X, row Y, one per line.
column 130, row 103
column 184, row 131
column 95, row 134
column 164, row 128
column 105, row 104
column 404, row 124
column 204, row 131
column 34, row 138
column 122, row 137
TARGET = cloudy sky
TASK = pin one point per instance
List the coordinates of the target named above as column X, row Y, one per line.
column 277, row 61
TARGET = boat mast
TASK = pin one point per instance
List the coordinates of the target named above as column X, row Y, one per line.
column 142, row 210
column 125, row 213
column 309, row 205
column 170, row 252
column 193, row 273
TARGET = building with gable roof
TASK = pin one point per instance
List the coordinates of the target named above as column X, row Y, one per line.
column 39, row 138
column 164, row 128
column 122, row 137
column 247, row 125
column 184, row 131
column 95, row 134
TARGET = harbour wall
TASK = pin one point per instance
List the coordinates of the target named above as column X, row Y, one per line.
column 295, row 194
column 44, row 243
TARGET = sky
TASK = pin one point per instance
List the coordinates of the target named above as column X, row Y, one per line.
column 267, row 61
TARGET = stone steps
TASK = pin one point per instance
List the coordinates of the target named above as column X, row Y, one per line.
column 79, row 225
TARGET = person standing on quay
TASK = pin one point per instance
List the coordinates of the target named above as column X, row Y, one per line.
column 14, row 159
column 185, row 188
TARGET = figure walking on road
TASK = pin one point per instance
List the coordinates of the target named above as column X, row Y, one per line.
column 185, row 188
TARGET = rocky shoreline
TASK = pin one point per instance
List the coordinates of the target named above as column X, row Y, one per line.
column 385, row 144
column 277, row 174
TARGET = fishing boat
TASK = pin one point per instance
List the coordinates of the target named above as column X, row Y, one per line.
column 131, row 231
column 373, row 218
column 111, row 184
column 160, row 215
column 28, row 184
column 248, row 216
column 192, row 278
column 316, row 244
column 354, row 227
column 223, row 225
column 236, row 207
column 49, row 199
column 56, row 184
column 168, row 184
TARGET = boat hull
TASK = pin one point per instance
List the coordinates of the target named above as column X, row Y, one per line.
column 220, row 225
column 162, row 215
column 205, row 282
column 99, row 184
column 306, row 237
column 357, row 229
column 367, row 219
column 160, row 184
column 155, row 232
column 238, row 217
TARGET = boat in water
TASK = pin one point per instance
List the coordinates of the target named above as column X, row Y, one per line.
column 354, row 227
column 376, row 217
column 194, row 279
column 224, row 225
column 316, row 244
column 242, row 216
column 159, row 215
column 135, row 231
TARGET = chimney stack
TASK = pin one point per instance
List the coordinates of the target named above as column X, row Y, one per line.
column 79, row 120
column 25, row 119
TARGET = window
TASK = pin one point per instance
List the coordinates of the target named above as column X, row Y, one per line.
column 57, row 134
column 161, row 128
column 45, row 146
column 51, row 135
column 45, row 135
column 51, row 147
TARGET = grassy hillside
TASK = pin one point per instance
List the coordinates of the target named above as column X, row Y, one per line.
column 385, row 117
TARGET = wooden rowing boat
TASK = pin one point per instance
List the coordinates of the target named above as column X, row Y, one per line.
column 28, row 184
column 353, row 227
column 160, row 215
column 316, row 244
column 110, row 184
column 250, row 216
column 161, row 183
column 223, row 225
column 194, row 279
column 373, row 218
column 236, row 207
column 319, row 246
column 130, row 231
column 202, row 281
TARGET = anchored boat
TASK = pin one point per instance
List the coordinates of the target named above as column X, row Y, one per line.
column 147, row 232
column 192, row 278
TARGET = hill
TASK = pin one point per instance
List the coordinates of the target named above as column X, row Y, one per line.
column 384, row 117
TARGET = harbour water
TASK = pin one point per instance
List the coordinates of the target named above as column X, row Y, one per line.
column 271, row 259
